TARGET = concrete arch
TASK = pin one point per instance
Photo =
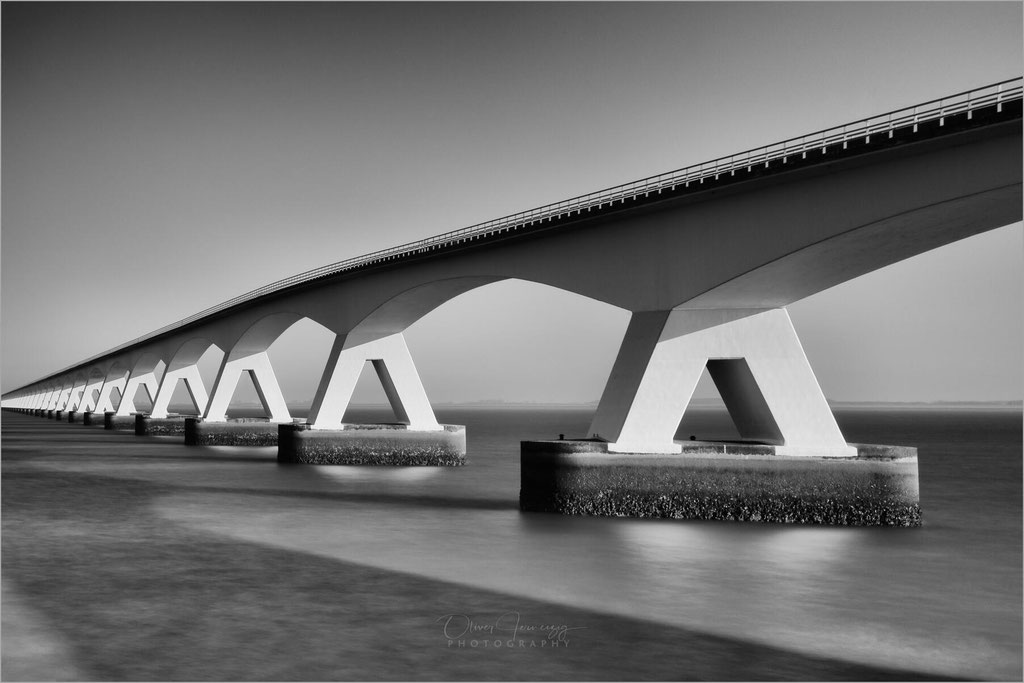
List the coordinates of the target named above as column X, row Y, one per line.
column 402, row 310
column 866, row 247
column 147, row 361
column 189, row 352
column 119, row 367
column 261, row 334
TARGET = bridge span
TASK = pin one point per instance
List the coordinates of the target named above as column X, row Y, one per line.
column 706, row 258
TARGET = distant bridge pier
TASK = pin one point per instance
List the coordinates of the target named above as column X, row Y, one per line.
column 143, row 374
column 63, row 398
column 88, row 403
column 214, row 428
column 75, row 396
column 183, row 367
column 395, row 369
column 418, row 439
column 105, row 401
column 260, row 370
column 792, row 464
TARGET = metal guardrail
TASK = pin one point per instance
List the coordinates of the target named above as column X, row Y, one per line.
column 882, row 124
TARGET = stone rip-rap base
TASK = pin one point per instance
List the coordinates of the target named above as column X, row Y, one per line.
column 378, row 444
column 117, row 422
column 254, row 432
column 712, row 481
column 92, row 419
column 159, row 426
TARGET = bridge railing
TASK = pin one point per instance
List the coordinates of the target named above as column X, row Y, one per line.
column 882, row 124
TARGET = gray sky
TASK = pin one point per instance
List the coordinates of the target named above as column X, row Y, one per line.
column 159, row 159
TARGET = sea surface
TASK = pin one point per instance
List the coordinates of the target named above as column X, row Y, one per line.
column 941, row 600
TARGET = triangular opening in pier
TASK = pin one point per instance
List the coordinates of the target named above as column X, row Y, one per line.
column 369, row 403
column 181, row 400
column 142, row 399
column 245, row 399
column 728, row 405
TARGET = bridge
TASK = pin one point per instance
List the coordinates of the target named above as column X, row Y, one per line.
column 706, row 259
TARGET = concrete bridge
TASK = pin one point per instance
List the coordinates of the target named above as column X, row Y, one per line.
column 706, row 258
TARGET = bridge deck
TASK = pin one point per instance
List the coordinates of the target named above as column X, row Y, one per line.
column 980, row 108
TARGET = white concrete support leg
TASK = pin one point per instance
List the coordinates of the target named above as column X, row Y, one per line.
column 88, row 404
column 105, row 401
column 194, row 384
column 62, row 398
column 263, row 378
column 75, row 399
column 755, row 359
column 148, row 380
column 397, row 373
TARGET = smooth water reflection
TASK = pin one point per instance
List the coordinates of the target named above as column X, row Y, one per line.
column 945, row 598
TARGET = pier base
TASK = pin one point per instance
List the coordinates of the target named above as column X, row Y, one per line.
column 159, row 426
column 723, row 481
column 49, row 414
column 112, row 420
column 72, row 416
column 234, row 432
column 377, row 444
column 59, row 416
column 93, row 419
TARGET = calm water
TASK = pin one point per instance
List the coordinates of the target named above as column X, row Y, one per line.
column 945, row 598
